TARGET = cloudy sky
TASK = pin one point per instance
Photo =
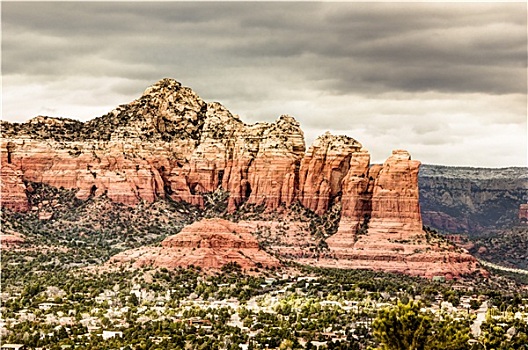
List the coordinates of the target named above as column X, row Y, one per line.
column 446, row 81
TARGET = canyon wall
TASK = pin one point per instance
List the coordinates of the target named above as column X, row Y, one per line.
column 169, row 142
column 472, row 201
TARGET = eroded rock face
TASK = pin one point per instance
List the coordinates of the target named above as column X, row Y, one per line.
column 209, row 243
column 381, row 225
column 169, row 142
column 12, row 189
column 396, row 190
column 214, row 234
column 323, row 169
column 384, row 199
column 395, row 246
column 263, row 166
column 11, row 240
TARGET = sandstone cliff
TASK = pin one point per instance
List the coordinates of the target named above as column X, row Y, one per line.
column 323, row 169
column 383, row 198
column 12, row 188
column 170, row 143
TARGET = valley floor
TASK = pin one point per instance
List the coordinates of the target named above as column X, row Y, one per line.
column 297, row 307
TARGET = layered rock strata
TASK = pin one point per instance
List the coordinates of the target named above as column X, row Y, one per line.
column 209, row 243
column 383, row 199
column 472, row 201
column 170, row 143
column 11, row 240
column 167, row 143
column 12, row 188
column 323, row 169
column 407, row 259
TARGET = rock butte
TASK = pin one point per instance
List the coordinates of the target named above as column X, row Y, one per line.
column 209, row 243
column 169, row 142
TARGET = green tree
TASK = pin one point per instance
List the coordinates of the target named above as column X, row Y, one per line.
column 403, row 327
column 474, row 304
column 449, row 334
column 406, row 327
column 133, row 300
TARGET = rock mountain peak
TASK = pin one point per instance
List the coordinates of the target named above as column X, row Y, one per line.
column 170, row 143
column 164, row 83
column 166, row 111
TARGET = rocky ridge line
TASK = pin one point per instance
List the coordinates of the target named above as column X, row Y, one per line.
column 170, row 143
column 472, row 201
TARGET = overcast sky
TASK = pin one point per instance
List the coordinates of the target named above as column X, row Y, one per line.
column 446, row 81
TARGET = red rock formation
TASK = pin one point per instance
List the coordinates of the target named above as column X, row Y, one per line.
column 381, row 226
column 209, row 243
column 12, row 188
column 323, row 168
column 169, row 142
column 11, row 240
column 411, row 252
column 94, row 171
column 387, row 196
column 427, row 264
column 358, row 186
column 262, row 164
column 395, row 194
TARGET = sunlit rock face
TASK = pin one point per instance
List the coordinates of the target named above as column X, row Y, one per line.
column 171, row 143
column 209, row 243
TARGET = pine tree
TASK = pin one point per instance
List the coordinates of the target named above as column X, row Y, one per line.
column 403, row 327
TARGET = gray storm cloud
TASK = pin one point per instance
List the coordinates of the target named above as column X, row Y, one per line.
column 435, row 78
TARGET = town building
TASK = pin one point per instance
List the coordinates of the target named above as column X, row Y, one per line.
column 13, row 347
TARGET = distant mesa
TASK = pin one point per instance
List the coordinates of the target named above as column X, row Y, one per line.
column 473, row 201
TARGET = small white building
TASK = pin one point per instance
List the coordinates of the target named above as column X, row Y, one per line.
column 112, row 334
column 12, row 347
column 47, row 306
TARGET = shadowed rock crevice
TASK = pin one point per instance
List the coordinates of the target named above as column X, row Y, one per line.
column 10, row 147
